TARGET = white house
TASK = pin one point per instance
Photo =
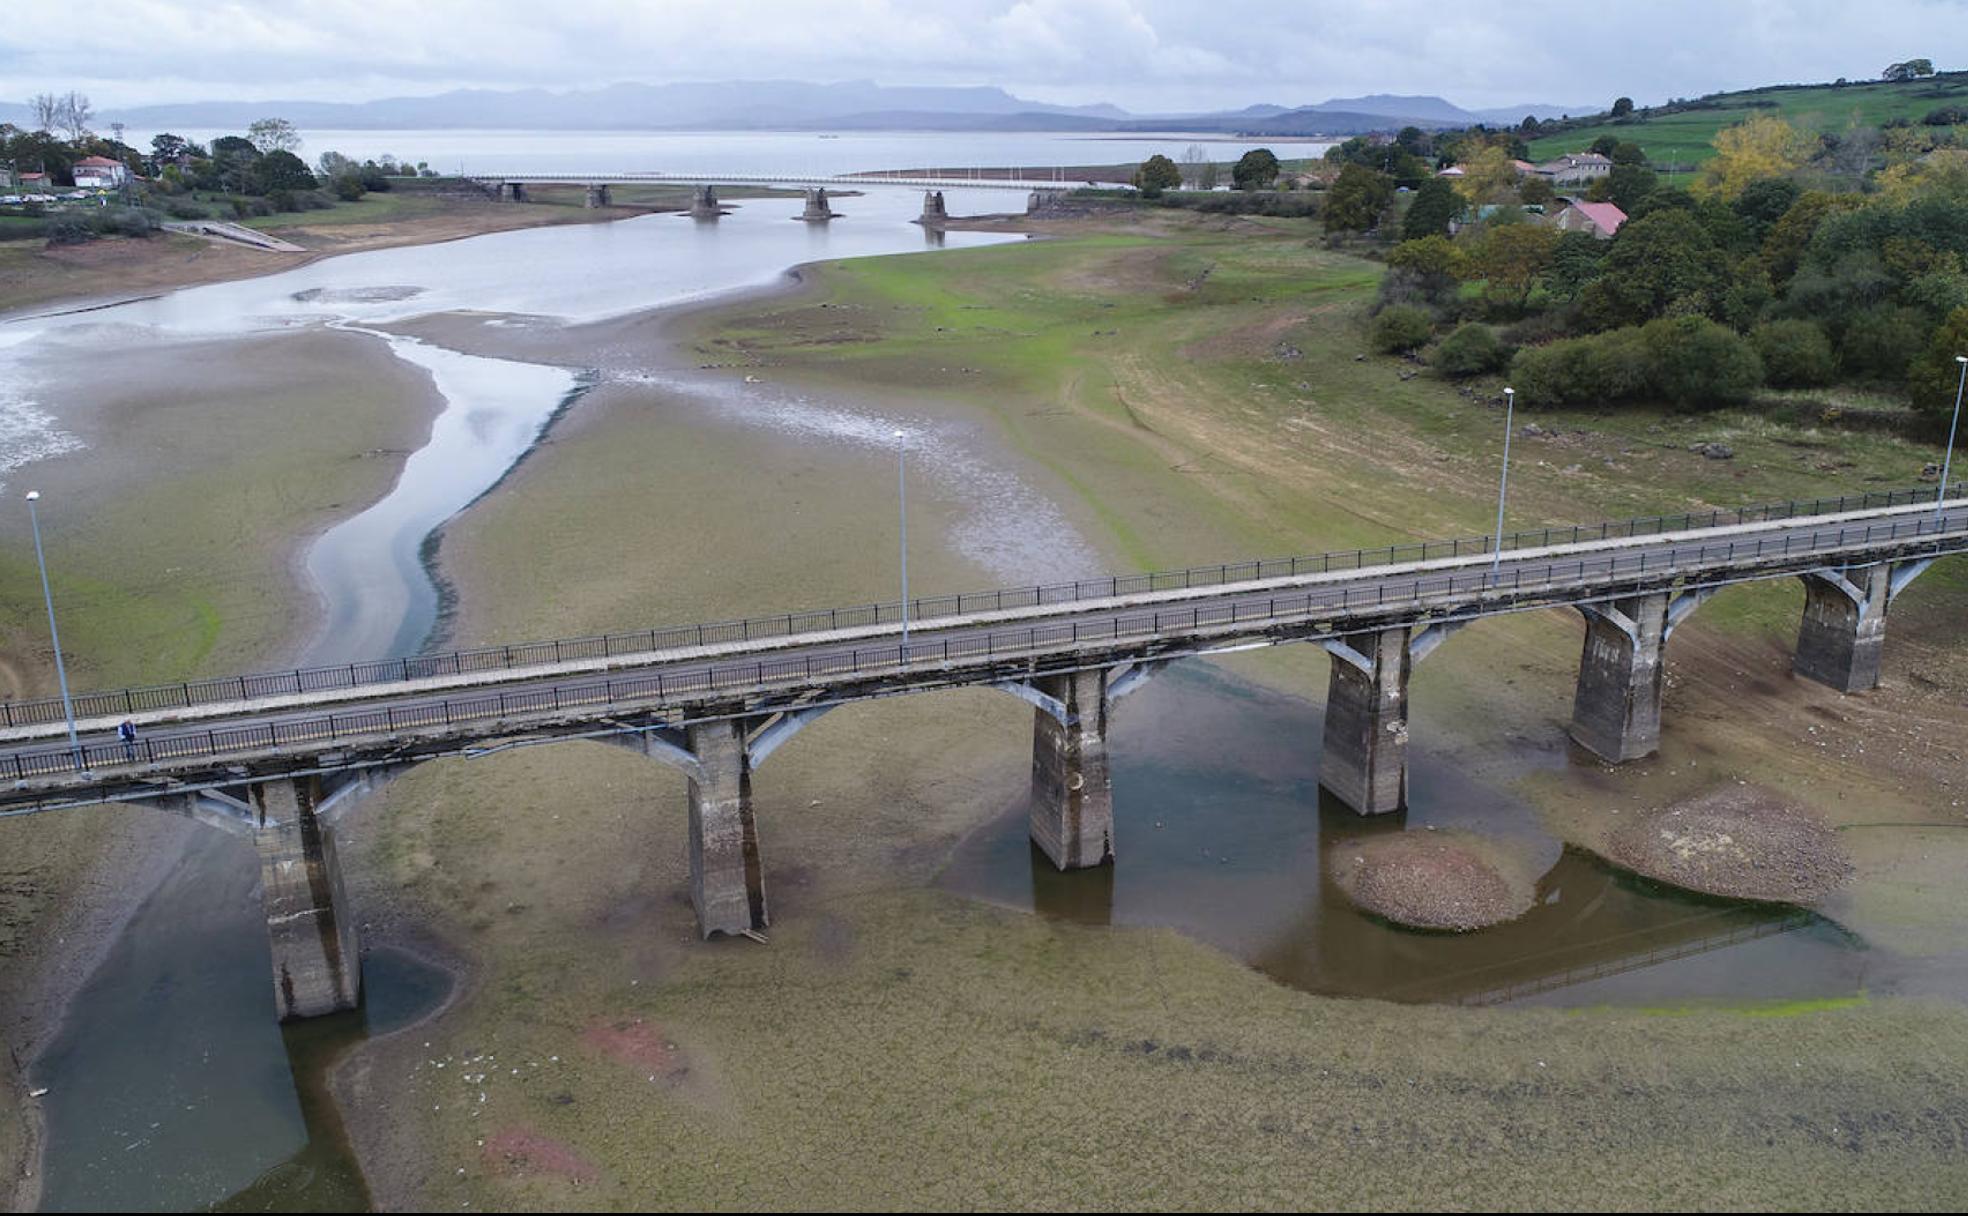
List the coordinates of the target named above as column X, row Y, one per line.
column 100, row 173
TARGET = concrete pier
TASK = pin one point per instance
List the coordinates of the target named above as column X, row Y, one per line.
column 818, row 209
column 704, row 204
column 1072, row 789
column 1365, row 758
column 597, row 196
column 317, row 966
column 1616, row 714
column 1844, row 626
column 727, row 881
column 933, row 212
column 515, row 191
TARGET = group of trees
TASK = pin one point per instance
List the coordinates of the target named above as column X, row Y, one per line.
column 1257, row 169
column 263, row 169
column 1770, row 269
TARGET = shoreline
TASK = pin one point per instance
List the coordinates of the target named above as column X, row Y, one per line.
column 403, row 235
column 132, row 859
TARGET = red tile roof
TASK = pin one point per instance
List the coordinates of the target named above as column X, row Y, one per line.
column 1607, row 216
column 97, row 162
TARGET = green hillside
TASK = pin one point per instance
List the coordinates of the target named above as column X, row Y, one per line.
column 1682, row 134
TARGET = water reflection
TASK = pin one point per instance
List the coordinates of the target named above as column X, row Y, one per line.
column 1222, row 832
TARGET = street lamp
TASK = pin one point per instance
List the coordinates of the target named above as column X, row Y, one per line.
column 1947, row 460
column 48, row 597
column 1503, row 483
column 902, row 501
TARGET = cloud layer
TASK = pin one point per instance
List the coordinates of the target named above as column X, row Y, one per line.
column 1148, row 55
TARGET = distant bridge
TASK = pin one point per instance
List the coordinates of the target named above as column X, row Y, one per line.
column 704, row 204
column 277, row 756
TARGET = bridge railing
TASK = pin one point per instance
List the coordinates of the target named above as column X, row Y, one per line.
column 188, row 693
column 644, row 691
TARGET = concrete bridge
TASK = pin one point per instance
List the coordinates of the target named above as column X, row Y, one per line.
column 279, row 756
column 704, row 204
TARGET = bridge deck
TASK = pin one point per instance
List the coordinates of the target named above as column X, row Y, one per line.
column 291, row 726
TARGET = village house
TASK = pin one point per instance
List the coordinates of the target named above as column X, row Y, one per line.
column 1601, row 220
column 100, row 173
column 1575, row 169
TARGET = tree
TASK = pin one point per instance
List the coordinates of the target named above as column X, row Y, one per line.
column 1622, row 107
column 233, row 159
column 1357, row 199
column 1434, row 262
column 1193, row 161
column 47, row 110
column 1912, row 69
column 1576, row 260
column 273, row 135
column 1434, row 207
column 1935, row 377
column 1536, row 190
column 1604, row 145
column 282, row 170
column 1627, row 185
column 1156, row 174
column 1510, row 260
column 1255, row 170
column 1762, row 146
column 76, row 115
column 1660, row 261
column 1489, row 177
column 168, row 149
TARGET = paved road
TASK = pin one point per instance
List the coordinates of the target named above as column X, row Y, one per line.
column 972, row 649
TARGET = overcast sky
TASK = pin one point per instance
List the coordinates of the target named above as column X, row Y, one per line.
column 1146, row 55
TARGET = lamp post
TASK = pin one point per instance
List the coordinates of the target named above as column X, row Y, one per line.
column 902, row 506
column 48, row 597
column 1947, row 459
column 1503, row 483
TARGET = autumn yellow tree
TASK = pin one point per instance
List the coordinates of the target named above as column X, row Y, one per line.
column 1941, row 173
column 1510, row 259
column 1764, row 146
column 1488, row 177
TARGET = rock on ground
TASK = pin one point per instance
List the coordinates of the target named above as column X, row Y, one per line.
column 1430, row 880
column 1740, row 841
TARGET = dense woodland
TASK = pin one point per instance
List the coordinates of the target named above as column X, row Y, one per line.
column 1791, row 259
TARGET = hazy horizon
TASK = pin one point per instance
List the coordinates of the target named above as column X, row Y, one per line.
column 1147, row 56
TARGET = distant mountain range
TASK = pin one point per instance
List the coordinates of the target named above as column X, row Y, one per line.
column 794, row 105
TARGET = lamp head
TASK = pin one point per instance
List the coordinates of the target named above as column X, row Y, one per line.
column 1510, row 392
column 1961, row 358
column 33, row 495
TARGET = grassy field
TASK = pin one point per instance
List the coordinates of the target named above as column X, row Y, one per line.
column 1687, row 137
column 1187, row 389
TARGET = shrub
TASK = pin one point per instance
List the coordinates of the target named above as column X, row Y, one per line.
column 1690, row 361
column 1695, row 362
column 185, row 211
column 1795, row 354
column 1470, row 351
column 69, row 230
column 1400, row 328
column 1880, row 341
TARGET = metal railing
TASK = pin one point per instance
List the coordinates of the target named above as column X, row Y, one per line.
column 923, row 610
column 655, row 689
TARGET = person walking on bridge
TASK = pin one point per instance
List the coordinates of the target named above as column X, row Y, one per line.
column 127, row 732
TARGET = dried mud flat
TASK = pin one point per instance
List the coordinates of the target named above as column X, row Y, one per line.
column 1430, row 880
column 1740, row 842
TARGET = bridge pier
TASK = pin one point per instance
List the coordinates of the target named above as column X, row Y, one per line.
column 1072, row 814
column 933, row 212
column 515, row 191
column 704, row 204
column 818, row 209
column 727, row 880
column 597, row 196
column 1364, row 761
column 1616, row 713
column 317, row 965
column 1844, row 627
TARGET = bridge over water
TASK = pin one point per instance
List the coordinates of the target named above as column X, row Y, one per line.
column 280, row 756
column 704, row 203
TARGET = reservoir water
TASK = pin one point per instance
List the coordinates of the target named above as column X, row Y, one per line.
column 171, row 1085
